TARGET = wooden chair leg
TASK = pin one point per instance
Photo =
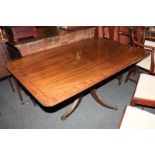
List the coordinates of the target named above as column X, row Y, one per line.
column 33, row 101
column 19, row 91
column 128, row 76
column 133, row 71
column 11, row 84
column 132, row 103
column 120, row 77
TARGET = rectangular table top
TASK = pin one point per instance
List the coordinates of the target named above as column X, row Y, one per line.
column 57, row 74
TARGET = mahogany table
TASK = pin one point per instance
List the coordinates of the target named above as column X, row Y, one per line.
column 54, row 75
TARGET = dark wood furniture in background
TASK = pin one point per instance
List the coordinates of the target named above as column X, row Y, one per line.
column 120, row 34
column 4, row 55
column 4, row 58
column 23, row 34
column 16, row 33
column 49, row 37
column 24, row 45
column 56, row 78
column 44, row 41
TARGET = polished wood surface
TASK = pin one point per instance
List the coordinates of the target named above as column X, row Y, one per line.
column 57, row 74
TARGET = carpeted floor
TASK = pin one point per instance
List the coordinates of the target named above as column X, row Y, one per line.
column 89, row 114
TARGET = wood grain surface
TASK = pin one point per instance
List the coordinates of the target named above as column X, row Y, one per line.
column 57, row 74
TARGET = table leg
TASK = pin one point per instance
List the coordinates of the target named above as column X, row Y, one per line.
column 120, row 77
column 72, row 108
column 33, row 101
column 19, row 91
column 11, row 84
column 100, row 101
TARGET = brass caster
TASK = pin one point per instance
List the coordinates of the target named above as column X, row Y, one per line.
column 63, row 118
column 115, row 108
column 35, row 104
